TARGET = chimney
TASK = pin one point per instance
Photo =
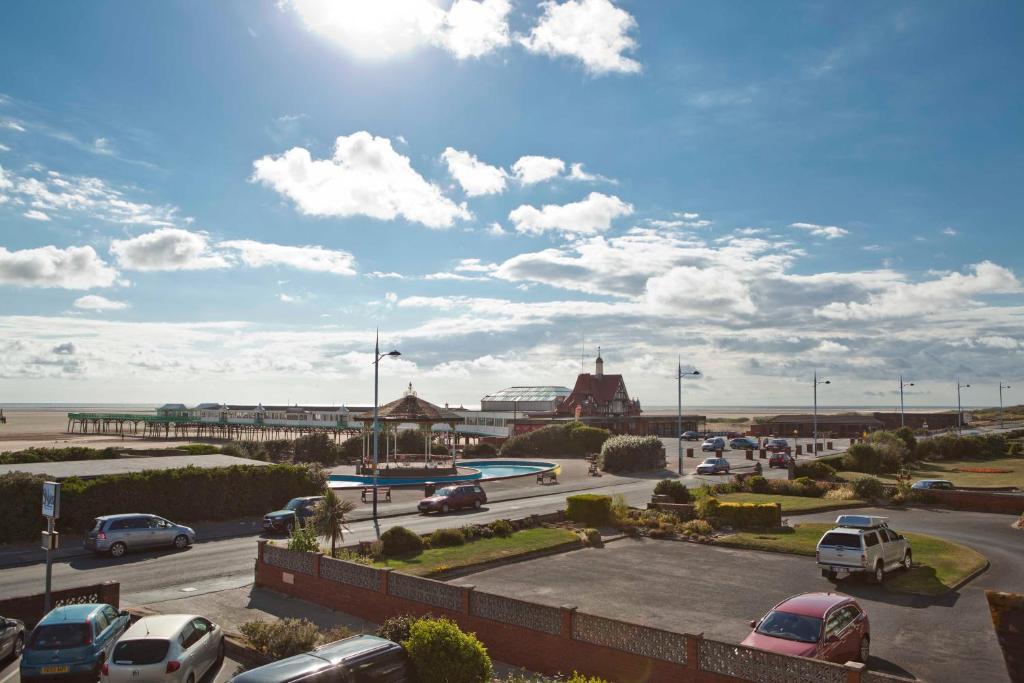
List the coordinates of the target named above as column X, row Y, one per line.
column 600, row 364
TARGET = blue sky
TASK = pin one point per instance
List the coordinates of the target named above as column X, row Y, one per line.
column 197, row 201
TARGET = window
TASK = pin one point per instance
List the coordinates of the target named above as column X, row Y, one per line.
column 870, row 539
column 157, row 523
column 188, row 636
column 118, row 524
column 841, row 540
column 99, row 623
column 889, row 536
column 59, row 636
column 202, row 627
column 138, row 523
column 141, row 651
column 111, row 614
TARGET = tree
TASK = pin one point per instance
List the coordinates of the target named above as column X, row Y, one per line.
column 316, row 447
column 329, row 518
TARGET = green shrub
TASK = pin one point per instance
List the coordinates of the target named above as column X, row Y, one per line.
column 627, row 453
column 479, row 450
column 198, row 448
column 33, row 455
column 317, row 447
column 592, row 537
column 862, row 457
column 867, row 488
column 440, row 652
column 580, row 678
column 906, row 434
column 697, row 527
column 400, row 541
column 749, row 515
column 445, row 538
column 571, row 440
column 815, row 469
column 502, row 528
column 673, row 488
column 1015, row 448
column 353, row 556
column 952, row 447
column 396, row 629
column 283, row 637
column 304, row 540
column 707, row 507
column 758, row 484
column 589, row 508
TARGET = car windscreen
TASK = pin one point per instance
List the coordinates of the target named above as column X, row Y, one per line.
column 294, row 504
column 841, row 540
column 790, row 626
column 447, row 491
column 97, row 524
column 142, row 651
column 60, row 636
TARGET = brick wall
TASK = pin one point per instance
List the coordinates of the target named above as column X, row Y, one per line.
column 29, row 608
column 979, row 501
column 541, row 638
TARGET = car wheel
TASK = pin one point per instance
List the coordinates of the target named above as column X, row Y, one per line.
column 864, row 652
column 181, row 541
column 191, row 678
column 118, row 549
column 444, row 509
column 879, row 575
column 477, row 504
column 19, row 645
column 908, row 561
column 220, row 657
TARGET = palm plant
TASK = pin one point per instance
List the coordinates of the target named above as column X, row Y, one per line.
column 329, row 517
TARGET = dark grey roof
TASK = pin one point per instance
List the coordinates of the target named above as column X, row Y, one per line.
column 827, row 419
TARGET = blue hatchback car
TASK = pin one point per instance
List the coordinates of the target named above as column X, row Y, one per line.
column 72, row 642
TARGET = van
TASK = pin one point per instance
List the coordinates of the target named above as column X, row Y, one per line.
column 862, row 544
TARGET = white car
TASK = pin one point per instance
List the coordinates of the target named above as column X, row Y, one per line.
column 168, row 647
column 862, row 544
column 713, row 466
column 716, row 443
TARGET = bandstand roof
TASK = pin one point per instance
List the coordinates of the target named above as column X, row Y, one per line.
column 412, row 408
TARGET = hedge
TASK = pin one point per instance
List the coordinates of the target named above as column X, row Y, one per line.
column 951, row 447
column 815, row 469
column 479, row 450
column 188, row 494
column 571, row 440
column 632, row 454
column 589, row 508
column 31, row 455
column 748, row 515
column 440, row 652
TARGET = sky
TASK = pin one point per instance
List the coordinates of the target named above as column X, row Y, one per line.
column 223, row 201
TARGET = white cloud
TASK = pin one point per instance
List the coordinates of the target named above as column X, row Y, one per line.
column 475, row 177
column 950, row 232
column 70, row 268
column 364, row 177
column 259, row 254
column 453, row 276
column 36, row 215
column 4, row 148
column 102, row 146
column 94, row 302
column 576, row 172
column 391, row 297
column 596, row 32
column 535, row 169
column 593, row 214
column 385, row 276
column 11, row 124
column 829, row 232
column 385, row 30
column 496, row 230
column 284, row 298
column 475, row 265
column 167, row 249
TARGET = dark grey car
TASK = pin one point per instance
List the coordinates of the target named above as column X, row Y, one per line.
column 12, row 638
column 357, row 659
column 117, row 534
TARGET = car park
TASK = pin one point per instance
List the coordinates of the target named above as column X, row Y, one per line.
column 352, row 660
column 166, row 647
column 296, row 512
column 72, row 641
column 933, row 485
column 713, row 466
column 828, row 626
column 690, row 436
column 117, row 534
column 862, row 544
column 744, row 443
column 715, row 443
column 12, row 638
column 777, row 446
column 780, row 459
column 453, row 498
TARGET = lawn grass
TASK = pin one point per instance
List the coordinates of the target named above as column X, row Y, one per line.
column 938, row 564
column 944, row 470
column 436, row 560
column 790, row 504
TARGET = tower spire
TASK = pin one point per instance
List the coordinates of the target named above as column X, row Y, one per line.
column 599, row 363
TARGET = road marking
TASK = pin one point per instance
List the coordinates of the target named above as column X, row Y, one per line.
column 189, row 589
column 10, row 676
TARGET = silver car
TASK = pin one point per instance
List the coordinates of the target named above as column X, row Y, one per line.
column 117, row 534
column 168, row 647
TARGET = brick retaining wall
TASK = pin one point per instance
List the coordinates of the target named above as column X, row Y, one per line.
column 29, row 608
column 541, row 638
column 979, row 501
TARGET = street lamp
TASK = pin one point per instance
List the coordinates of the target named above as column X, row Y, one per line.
column 679, row 416
column 1001, row 387
column 377, row 355
column 959, row 406
column 814, row 448
column 903, row 384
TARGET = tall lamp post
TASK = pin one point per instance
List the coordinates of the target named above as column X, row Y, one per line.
column 377, row 355
column 814, row 448
column 959, row 406
column 903, row 384
column 1001, row 387
column 679, row 405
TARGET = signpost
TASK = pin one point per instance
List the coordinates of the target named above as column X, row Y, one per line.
column 51, row 510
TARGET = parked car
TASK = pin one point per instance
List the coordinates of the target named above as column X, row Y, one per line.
column 375, row 659
column 862, row 544
column 715, row 443
column 117, row 534
column 933, row 485
column 778, row 446
column 744, row 443
column 780, row 459
column 296, row 511
column 167, row 647
column 829, row 626
column 713, row 466
column 12, row 638
column 454, row 497
column 71, row 642
column 691, row 436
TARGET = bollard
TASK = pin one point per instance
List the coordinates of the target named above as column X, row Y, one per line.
column 799, row 450
column 818, row 447
column 689, row 452
column 763, row 454
column 828, row 445
column 750, row 454
column 718, row 454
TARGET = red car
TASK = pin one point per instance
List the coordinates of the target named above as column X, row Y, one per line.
column 829, row 626
column 779, row 460
column 454, row 497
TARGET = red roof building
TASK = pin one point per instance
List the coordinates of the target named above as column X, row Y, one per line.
column 599, row 395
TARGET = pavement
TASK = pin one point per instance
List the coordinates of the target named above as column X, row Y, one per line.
column 126, row 465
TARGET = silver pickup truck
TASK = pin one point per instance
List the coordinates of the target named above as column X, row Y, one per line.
column 862, row 544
